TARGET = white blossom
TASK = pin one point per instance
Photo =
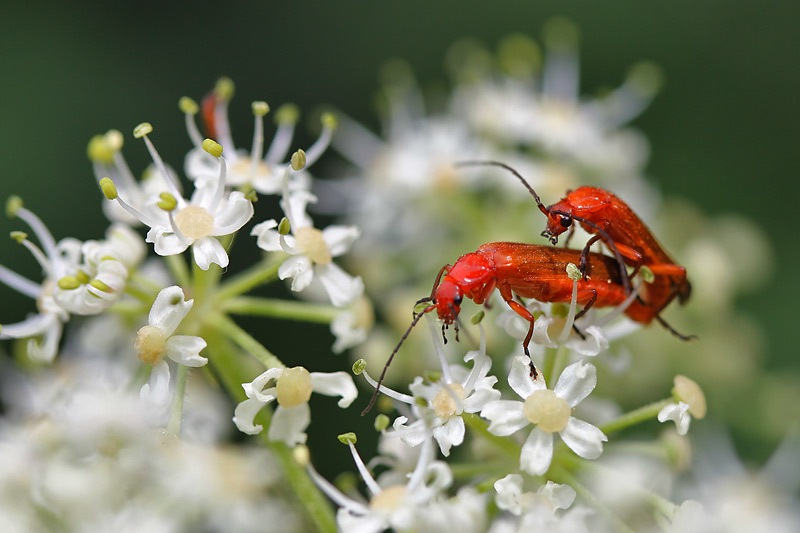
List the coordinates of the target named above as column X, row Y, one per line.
column 262, row 171
column 550, row 411
column 311, row 250
column 292, row 389
column 156, row 340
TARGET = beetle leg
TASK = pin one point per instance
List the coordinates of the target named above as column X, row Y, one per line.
column 674, row 331
column 522, row 311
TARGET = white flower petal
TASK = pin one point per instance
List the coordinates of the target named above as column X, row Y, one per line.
column 537, row 452
column 169, row 310
column 519, row 377
column 412, row 434
column 33, row 325
column 481, row 395
column 156, row 390
column 233, row 215
column 541, row 332
column 350, row 521
column 209, row 250
column 561, row 496
column 449, row 434
column 185, row 349
column 268, row 238
column 244, row 415
column 165, row 242
column 298, row 200
column 595, row 342
column 294, row 267
column 679, row 413
column 289, row 424
column 342, row 288
column 583, row 438
column 256, row 389
column 45, row 351
column 505, row 417
column 509, row 493
column 340, row 238
column 576, row 382
column 335, row 384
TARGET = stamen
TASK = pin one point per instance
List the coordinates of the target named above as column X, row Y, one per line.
column 259, row 110
column 40, row 257
column 391, row 393
column 215, row 150
column 437, row 345
column 617, row 311
column 177, row 230
column 190, row 108
column 39, row 229
column 333, row 493
column 223, row 94
column 318, row 148
column 478, row 362
column 369, row 481
column 285, row 117
column 140, row 132
column 19, row 283
column 111, row 193
column 574, row 274
column 420, row 471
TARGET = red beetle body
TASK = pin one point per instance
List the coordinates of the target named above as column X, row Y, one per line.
column 604, row 215
column 528, row 271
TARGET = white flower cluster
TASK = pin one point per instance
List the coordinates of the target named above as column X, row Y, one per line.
column 127, row 430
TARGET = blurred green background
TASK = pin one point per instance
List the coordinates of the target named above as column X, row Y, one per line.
column 722, row 130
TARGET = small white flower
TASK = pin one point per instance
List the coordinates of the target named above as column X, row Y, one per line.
column 105, row 153
column 80, row 278
column 156, row 340
column 264, row 172
column 689, row 401
column 550, row 410
column 350, row 327
column 458, row 391
column 177, row 223
column 311, row 250
column 396, row 506
column 292, row 389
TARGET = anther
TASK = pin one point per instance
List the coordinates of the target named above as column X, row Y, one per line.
column 142, row 129
column 212, row 147
column 108, row 188
column 188, row 106
column 13, row 204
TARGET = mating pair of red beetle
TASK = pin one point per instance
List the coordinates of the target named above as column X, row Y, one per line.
column 539, row 272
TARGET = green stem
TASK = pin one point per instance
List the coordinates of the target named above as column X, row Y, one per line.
column 174, row 424
column 470, row 471
column 480, row 427
column 177, row 267
column 636, row 416
column 240, row 337
column 263, row 272
column 549, row 363
column 561, row 475
column 138, row 293
column 288, row 309
column 232, row 374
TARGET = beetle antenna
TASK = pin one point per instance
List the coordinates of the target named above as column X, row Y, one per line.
column 389, row 361
column 525, row 183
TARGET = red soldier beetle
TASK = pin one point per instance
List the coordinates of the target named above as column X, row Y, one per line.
column 612, row 221
column 527, row 271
